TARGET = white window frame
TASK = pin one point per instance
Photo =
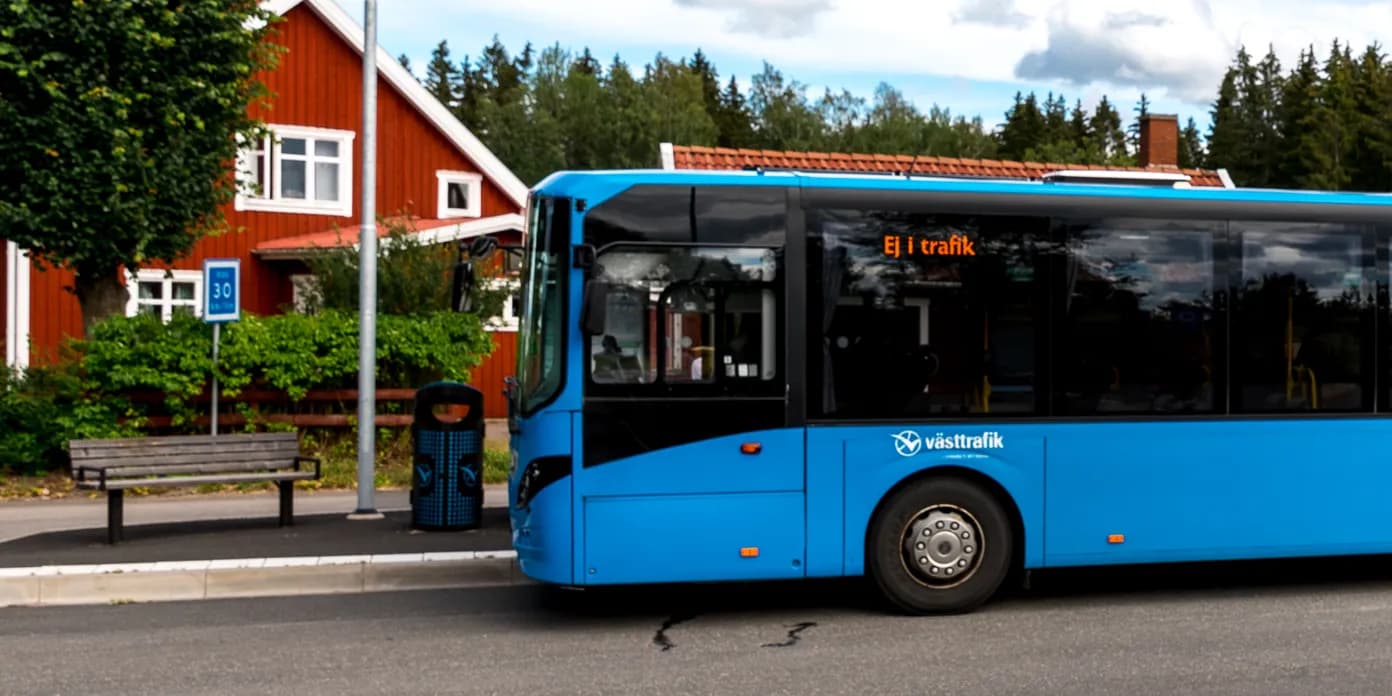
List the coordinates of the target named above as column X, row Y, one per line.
column 269, row 198
column 474, row 180
column 508, row 321
column 166, row 301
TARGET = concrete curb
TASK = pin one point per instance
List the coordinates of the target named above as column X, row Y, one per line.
column 255, row 577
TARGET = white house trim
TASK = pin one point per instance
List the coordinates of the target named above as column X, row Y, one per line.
column 1226, row 179
column 669, row 158
column 471, row 229
column 17, row 311
column 439, row 235
column 473, row 206
column 416, row 94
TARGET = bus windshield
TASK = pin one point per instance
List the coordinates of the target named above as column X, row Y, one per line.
column 540, row 361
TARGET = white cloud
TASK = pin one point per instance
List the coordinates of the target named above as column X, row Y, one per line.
column 1177, row 49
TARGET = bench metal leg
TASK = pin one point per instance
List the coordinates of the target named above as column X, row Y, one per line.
column 114, row 509
column 287, row 503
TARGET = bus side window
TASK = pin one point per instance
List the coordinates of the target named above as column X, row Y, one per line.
column 618, row 356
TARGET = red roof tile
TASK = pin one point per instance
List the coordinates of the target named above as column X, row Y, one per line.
column 724, row 158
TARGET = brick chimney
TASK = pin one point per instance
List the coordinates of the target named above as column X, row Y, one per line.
column 1159, row 147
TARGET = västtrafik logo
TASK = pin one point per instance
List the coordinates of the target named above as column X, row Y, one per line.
column 908, row 442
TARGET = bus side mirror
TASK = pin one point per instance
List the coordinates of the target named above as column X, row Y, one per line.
column 462, row 287
column 595, row 302
column 461, row 290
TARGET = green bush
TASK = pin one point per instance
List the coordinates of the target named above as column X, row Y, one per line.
column 44, row 407
column 88, row 396
column 413, row 277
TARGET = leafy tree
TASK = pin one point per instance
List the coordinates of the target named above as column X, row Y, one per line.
column 118, row 127
column 783, row 119
column 676, row 95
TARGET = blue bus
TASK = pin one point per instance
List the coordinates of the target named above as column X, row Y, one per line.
column 939, row 383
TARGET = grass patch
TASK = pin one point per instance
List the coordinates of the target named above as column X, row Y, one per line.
column 39, row 486
column 336, row 448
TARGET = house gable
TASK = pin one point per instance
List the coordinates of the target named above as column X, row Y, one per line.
column 414, row 92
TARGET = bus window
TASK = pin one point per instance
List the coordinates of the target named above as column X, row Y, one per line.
column 689, row 316
column 1138, row 330
column 923, row 315
column 1303, row 314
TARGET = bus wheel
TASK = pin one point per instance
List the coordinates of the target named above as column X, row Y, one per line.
column 939, row 545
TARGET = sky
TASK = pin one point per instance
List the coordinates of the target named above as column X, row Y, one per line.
column 970, row 56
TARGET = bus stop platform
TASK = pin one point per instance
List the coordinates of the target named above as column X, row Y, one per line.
column 56, row 552
column 311, row 535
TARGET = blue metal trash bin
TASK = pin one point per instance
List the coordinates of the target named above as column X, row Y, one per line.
column 447, row 448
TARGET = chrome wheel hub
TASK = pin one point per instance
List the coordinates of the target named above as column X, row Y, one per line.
column 941, row 546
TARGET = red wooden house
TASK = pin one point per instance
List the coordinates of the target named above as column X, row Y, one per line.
column 429, row 166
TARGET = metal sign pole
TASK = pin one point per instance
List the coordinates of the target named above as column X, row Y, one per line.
column 222, row 302
column 216, row 335
column 367, row 291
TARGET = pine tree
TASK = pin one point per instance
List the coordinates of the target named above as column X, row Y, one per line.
column 1191, row 153
column 1372, row 95
column 1331, row 125
column 1259, row 90
column 1133, row 131
column 733, row 118
column 1299, row 98
column 1108, row 139
column 442, row 77
column 1226, row 134
column 1024, row 127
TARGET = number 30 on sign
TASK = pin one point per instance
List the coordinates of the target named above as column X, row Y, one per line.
column 222, row 290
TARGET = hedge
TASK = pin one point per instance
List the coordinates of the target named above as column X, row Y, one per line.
column 88, row 391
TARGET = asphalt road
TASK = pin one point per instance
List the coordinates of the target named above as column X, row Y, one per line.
column 1266, row 629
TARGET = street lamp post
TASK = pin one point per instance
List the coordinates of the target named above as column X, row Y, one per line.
column 367, row 291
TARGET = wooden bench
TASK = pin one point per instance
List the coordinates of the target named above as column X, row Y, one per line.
column 114, row 465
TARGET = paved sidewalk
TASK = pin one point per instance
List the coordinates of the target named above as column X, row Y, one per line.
column 24, row 517
column 194, row 547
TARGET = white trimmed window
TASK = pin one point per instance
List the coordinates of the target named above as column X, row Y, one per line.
column 298, row 170
column 161, row 293
column 460, row 194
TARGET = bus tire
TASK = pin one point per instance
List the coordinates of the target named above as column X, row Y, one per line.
column 939, row 545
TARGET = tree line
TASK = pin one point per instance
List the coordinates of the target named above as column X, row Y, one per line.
column 1322, row 125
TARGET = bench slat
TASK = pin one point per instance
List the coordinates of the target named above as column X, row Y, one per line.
column 225, row 466
column 122, row 484
column 283, row 457
column 85, row 454
column 121, row 442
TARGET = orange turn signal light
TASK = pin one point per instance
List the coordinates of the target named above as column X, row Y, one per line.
column 751, row 448
column 1116, row 538
column 749, row 552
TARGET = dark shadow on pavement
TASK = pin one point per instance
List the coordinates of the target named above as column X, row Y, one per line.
column 260, row 537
